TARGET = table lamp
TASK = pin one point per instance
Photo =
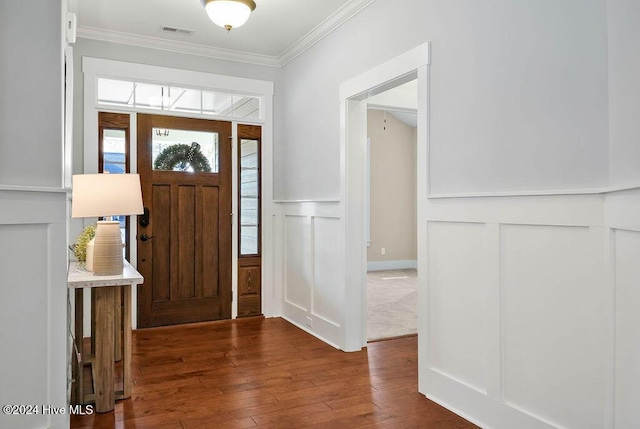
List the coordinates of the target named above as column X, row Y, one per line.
column 105, row 195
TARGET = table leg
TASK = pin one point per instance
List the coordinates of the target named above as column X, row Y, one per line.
column 118, row 324
column 79, row 334
column 105, row 354
column 126, row 343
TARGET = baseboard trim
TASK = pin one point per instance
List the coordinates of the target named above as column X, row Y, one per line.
column 392, row 265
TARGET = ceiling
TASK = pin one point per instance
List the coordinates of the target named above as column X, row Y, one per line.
column 400, row 101
column 277, row 31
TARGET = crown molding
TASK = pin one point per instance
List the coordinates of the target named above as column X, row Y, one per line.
column 27, row 188
column 326, row 27
column 176, row 46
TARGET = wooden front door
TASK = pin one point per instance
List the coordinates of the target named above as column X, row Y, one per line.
column 184, row 238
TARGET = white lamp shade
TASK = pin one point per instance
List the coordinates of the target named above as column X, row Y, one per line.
column 228, row 13
column 96, row 195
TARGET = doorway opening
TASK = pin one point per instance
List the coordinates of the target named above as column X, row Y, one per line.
column 392, row 283
column 354, row 94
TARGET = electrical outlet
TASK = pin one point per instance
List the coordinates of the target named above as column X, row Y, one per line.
column 383, row 251
column 309, row 322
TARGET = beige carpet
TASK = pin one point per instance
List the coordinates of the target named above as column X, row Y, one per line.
column 392, row 298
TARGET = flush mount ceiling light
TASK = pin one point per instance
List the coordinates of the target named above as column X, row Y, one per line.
column 229, row 13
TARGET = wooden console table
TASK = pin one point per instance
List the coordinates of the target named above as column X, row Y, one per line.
column 106, row 322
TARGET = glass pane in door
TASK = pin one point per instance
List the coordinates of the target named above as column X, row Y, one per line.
column 184, row 150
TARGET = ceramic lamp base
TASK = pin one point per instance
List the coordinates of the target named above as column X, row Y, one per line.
column 89, row 260
column 107, row 249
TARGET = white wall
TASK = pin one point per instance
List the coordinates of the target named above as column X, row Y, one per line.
column 518, row 94
column 623, row 208
column 30, row 84
column 33, row 213
column 624, row 91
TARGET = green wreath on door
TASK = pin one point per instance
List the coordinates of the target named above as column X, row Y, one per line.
column 179, row 157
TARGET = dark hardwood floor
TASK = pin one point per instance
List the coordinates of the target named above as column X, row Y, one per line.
column 266, row 373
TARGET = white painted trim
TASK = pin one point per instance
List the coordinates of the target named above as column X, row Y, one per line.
column 550, row 192
column 329, row 201
column 518, row 193
column 391, row 108
column 540, row 193
column 310, row 209
column 609, row 304
column 68, row 74
column 235, row 209
column 133, row 225
column 400, row 66
column 307, row 330
column 177, row 46
column 21, row 188
column 367, row 195
column 613, row 189
column 326, row 27
column 353, row 94
column 145, row 72
column 493, row 261
column 392, row 265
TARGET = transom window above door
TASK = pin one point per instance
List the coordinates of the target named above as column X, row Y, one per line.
column 154, row 96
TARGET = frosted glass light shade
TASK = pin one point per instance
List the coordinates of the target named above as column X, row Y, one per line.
column 229, row 13
column 96, row 195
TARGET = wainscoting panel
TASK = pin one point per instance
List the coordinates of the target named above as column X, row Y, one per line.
column 27, row 321
column 298, row 269
column 626, row 249
column 552, row 346
column 328, row 300
column 529, row 306
column 313, row 271
column 458, row 278
column 522, row 283
column 33, row 305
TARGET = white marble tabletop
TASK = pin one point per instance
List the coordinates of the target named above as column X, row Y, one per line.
column 80, row 278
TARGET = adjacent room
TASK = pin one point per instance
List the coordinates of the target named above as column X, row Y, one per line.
column 392, row 278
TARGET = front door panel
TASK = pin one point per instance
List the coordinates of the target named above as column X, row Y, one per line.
column 184, row 253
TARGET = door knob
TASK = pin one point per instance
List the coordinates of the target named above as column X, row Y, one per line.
column 145, row 237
